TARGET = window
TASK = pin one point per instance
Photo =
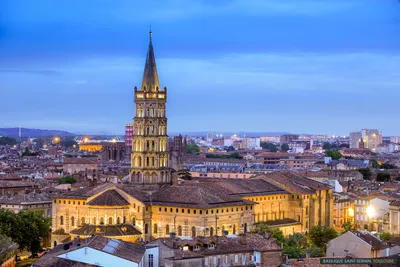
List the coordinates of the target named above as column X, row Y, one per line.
column 110, row 220
column 226, row 258
column 170, row 210
column 72, row 221
column 193, row 232
column 236, row 258
column 101, row 220
column 61, row 220
column 167, row 229
column 134, row 221
column 211, row 231
column 206, row 261
column 155, row 230
column 94, row 221
column 211, row 246
column 55, row 201
column 215, row 260
column 201, row 212
column 179, row 230
column 151, row 260
column 82, row 220
column 146, row 228
column 118, row 220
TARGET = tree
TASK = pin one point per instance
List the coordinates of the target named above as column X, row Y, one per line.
column 269, row 146
column 366, row 172
column 67, row 180
column 327, row 146
column 334, row 154
column 386, row 237
column 383, row 177
column 285, row 147
column 4, row 140
column 387, row 166
column 192, row 149
column 321, row 235
column 25, row 228
column 316, row 252
column 230, row 148
column 375, row 164
column 348, row 226
column 262, row 229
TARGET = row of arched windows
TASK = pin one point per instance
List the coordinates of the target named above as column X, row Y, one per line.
column 150, row 112
column 94, row 220
column 193, row 232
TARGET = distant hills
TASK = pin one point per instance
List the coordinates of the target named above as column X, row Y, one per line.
column 33, row 133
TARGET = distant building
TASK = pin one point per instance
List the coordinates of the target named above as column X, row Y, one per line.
column 75, row 165
column 115, row 151
column 90, row 147
column 395, row 139
column 355, row 138
column 251, row 143
column 288, row 138
column 128, row 134
column 368, row 138
column 209, row 137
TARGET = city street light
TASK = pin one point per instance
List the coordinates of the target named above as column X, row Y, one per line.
column 371, row 211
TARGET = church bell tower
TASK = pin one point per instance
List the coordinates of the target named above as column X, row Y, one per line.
column 149, row 159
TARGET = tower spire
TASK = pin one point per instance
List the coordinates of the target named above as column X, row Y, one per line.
column 150, row 77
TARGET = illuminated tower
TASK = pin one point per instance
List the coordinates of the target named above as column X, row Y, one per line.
column 149, row 159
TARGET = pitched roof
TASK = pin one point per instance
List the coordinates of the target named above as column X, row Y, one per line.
column 79, row 161
column 223, row 244
column 293, row 182
column 126, row 250
column 150, row 76
column 109, row 198
column 196, row 195
column 375, row 243
column 107, row 230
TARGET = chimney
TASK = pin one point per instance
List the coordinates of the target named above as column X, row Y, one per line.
column 172, row 235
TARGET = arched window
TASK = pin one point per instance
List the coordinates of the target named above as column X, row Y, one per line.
column 211, row 231
column 193, row 232
column 234, row 229
column 61, row 220
column 179, row 230
column 110, row 220
column 124, row 219
column 146, row 228
column 118, row 220
column 167, row 229
column 133, row 221
column 101, row 220
column 94, row 220
column 155, row 230
column 82, row 220
column 72, row 221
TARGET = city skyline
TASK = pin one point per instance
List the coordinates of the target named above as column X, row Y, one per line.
column 245, row 76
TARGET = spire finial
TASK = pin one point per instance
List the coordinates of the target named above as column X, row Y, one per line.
column 150, row 33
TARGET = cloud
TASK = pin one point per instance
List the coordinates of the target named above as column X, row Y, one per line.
column 38, row 72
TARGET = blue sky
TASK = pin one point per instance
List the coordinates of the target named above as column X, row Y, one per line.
column 315, row 66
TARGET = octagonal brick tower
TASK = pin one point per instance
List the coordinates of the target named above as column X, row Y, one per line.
column 149, row 159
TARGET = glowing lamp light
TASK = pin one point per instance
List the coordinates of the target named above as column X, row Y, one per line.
column 351, row 212
column 114, row 140
column 86, row 139
column 371, row 211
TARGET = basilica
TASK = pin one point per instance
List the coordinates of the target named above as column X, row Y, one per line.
column 154, row 203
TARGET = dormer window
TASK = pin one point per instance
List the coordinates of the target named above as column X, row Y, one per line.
column 185, row 248
column 211, row 246
column 197, row 247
